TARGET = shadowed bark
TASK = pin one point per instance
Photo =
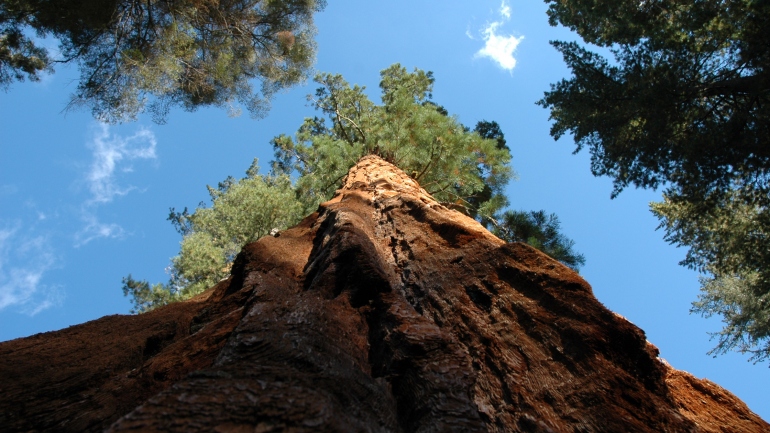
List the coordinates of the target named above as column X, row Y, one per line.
column 382, row 312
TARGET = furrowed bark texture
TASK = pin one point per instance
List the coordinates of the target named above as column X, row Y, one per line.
column 382, row 312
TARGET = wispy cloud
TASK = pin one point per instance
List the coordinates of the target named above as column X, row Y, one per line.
column 505, row 10
column 24, row 261
column 112, row 155
column 95, row 229
column 8, row 189
column 28, row 253
column 499, row 47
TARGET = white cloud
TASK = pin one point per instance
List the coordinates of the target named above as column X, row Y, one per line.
column 94, row 229
column 110, row 151
column 498, row 47
column 505, row 10
column 112, row 155
column 21, row 284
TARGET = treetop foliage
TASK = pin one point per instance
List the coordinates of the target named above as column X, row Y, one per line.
column 242, row 211
column 452, row 163
column 465, row 169
column 156, row 54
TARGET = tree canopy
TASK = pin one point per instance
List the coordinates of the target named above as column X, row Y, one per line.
column 684, row 104
column 465, row 169
column 686, row 99
column 155, row 54
column 457, row 166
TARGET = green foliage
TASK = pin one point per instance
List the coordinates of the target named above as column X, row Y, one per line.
column 146, row 297
column 242, row 211
column 19, row 56
column 491, row 131
column 541, row 231
column 684, row 104
column 686, row 100
column 742, row 301
column 728, row 240
column 187, row 53
column 453, row 164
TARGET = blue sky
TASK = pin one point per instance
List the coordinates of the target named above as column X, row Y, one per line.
column 83, row 204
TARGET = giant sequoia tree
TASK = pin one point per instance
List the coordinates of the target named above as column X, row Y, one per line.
column 187, row 53
column 684, row 104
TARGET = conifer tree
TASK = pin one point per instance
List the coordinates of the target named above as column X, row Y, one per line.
column 728, row 240
column 684, row 104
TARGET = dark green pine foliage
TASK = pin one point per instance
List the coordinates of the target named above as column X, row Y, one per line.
column 460, row 168
column 684, row 104
column 540, row 230
column 156, row 54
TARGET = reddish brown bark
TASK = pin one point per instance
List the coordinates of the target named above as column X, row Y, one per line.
column 382, row 312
